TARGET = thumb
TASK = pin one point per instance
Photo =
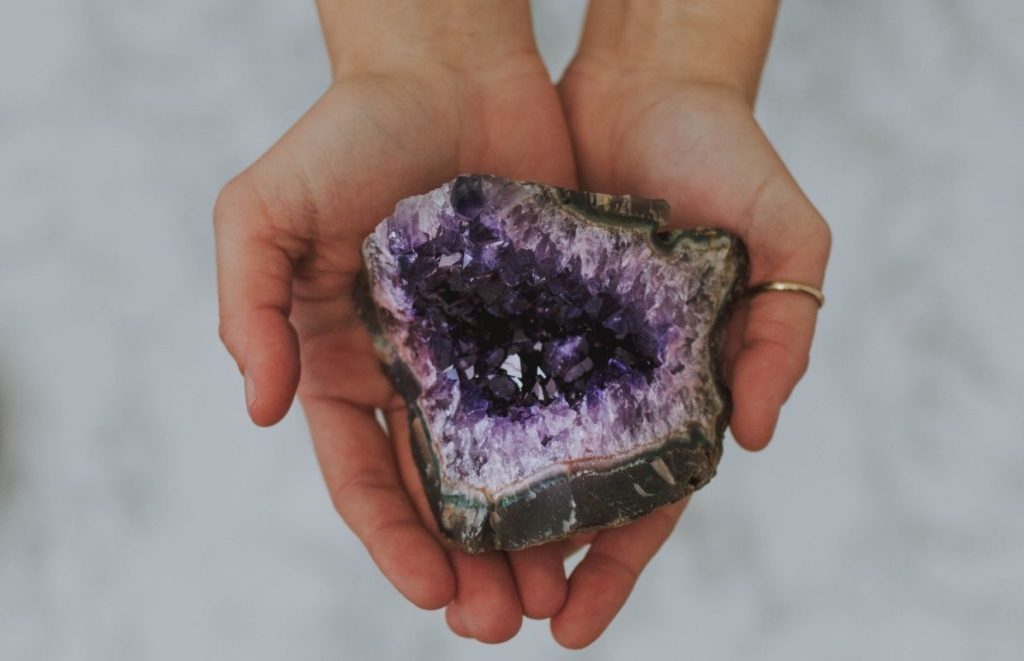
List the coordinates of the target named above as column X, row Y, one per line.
column 254, row 274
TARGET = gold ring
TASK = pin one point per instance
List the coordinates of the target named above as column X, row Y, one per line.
column 782, row 285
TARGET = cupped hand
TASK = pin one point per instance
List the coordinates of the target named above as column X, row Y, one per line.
column 699, row 147
column 288, row 232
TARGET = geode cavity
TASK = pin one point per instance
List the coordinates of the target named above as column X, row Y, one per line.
column 558, row 352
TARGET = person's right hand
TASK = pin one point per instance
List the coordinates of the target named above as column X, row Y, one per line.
column 289, row 231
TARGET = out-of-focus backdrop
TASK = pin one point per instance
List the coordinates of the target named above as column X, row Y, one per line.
column 143, row 517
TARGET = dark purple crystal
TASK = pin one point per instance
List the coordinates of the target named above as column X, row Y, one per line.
column 524, row 333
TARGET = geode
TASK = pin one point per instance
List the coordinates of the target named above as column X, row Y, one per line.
column 558, row 352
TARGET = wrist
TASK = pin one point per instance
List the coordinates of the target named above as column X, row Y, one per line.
column 712, row 43
column 367, row 36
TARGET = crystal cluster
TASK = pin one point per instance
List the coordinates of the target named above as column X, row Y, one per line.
column 517, row 328
column 550, row 342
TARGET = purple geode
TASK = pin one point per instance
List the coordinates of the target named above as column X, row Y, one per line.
column 558, row 352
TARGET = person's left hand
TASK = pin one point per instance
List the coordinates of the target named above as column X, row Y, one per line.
column 699, row 147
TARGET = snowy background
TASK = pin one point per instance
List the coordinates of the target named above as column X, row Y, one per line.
column 143, row 517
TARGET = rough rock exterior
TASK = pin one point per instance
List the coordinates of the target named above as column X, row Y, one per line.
column 558, row 352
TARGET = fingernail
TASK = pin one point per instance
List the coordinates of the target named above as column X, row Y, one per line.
column 250, row 391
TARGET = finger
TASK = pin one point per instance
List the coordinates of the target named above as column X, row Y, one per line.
column 572, row 545
column 790, row 242
column 486, row 596
column 359, row 469
column 454, row 620
column 773, row 356
column 734, row 338
column 486, row 604
column 540, row 579
column 254, row 287
column 604, row 578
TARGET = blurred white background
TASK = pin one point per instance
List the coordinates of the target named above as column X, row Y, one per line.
column 143, row 517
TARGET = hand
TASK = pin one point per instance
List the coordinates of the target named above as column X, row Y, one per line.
column 289, row 230
column 659, row 102
column 699, row 146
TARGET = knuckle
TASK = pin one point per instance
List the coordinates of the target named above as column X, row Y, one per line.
column 612, row 566
column 362, row 487
column 227, row 332
column 822, row 237
column 379, row 534
column 228, row 201
column 224, row 333
column 790, row 355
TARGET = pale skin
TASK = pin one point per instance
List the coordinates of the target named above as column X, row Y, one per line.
column 658, row 101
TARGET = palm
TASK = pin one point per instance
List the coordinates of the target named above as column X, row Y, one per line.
column 386, row 140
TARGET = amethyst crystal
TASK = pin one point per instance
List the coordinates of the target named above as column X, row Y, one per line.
column 558, row 352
